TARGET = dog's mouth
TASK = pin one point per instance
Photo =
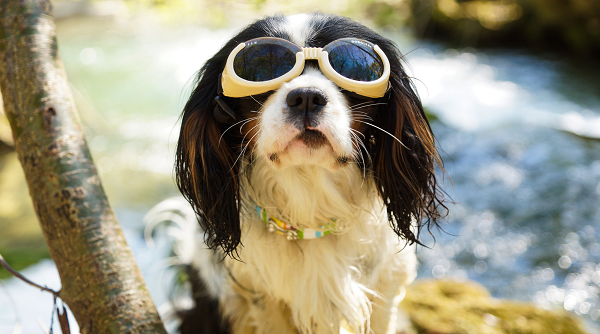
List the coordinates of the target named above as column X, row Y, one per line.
column 312, row 138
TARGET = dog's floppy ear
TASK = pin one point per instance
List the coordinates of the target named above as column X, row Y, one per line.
column 206, row 162
column 205, row 168
column 404, row 165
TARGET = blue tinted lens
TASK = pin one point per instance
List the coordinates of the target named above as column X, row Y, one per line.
column 265, row 60
column 355, row 59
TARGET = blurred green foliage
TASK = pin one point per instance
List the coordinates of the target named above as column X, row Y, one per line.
column 21, row 241
column 22, row 256
column 572, row 26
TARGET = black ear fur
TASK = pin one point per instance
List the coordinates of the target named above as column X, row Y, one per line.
column 205, row 173
column 206, row 164
column 405, row 172
column 404, row 175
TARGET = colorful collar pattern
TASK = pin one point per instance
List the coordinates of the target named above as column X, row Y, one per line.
column 292, row 233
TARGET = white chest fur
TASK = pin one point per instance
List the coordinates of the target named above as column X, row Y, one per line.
column 312, row 286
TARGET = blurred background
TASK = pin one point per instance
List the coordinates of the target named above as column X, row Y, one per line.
column 512, row 90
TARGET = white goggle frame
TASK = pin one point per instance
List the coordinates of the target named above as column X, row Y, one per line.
column 234, row 86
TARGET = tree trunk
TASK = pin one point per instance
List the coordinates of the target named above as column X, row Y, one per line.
column 5, row 133
column 101, row 282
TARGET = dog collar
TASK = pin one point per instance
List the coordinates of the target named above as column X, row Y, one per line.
column 292, row 233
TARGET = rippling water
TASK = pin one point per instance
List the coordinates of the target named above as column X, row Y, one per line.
column 526, row 221
column 516, row 132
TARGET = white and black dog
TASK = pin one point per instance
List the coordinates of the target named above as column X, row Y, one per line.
column 309, row 196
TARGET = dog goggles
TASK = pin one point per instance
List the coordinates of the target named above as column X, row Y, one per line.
column 263, row 64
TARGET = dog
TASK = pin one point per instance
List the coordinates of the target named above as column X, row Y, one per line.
column 309, row 163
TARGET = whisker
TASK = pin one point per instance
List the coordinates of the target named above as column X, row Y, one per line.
column 244, row 138
column 357, row 132
column 391, row 135
column 355, row 146
column 368, row 105
column 362, row 157
column 253, row 147
column 364, row 176
column 243, row 149
column 244, row 120
column 366, row 151
column 241, row 127
column 361, row 143
column 358, row 104
column 255, row 144
column 255, row 100
column 363, row 117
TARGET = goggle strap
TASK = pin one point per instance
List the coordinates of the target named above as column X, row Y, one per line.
column 222, row 110
column 219, row 108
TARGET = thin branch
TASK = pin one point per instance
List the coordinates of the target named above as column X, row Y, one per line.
column 24, row 279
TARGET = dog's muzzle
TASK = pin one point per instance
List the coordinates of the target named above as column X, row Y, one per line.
column 305, row 106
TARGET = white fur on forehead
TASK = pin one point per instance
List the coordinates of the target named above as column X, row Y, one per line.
column 298, row 28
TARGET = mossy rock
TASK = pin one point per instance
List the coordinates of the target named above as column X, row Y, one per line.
column 448, row 307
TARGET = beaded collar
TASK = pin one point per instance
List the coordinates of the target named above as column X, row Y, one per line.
column 292, row 233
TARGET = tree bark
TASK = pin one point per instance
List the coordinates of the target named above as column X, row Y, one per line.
column 101, row 282
column 5, row 133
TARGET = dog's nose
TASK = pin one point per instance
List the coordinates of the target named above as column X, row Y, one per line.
column 306, row 102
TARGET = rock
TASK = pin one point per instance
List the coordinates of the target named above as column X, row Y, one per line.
column 449, row 307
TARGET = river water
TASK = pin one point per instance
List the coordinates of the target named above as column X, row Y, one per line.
column 519, row 146
column 518, row 135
